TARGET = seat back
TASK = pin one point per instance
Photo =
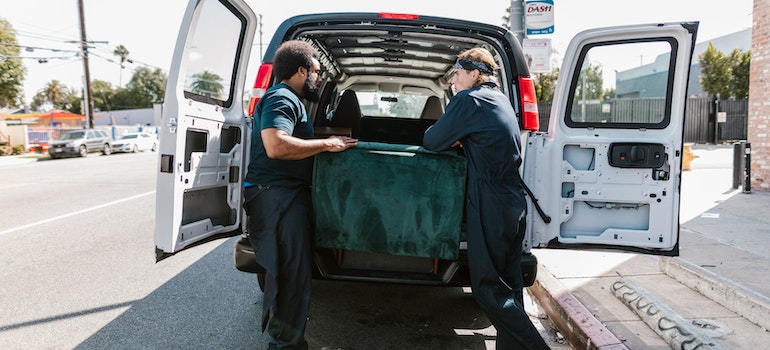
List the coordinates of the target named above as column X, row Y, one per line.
column 348, row 113
column 433, row 108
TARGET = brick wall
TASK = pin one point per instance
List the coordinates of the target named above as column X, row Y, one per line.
column 759, row 97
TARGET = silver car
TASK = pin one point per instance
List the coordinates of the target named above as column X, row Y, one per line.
column 80, row 143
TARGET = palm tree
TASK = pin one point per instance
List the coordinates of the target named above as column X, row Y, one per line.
column 207, row 84
column 55, row 93
column 122, row 52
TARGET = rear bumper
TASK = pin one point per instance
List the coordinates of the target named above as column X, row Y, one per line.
column 63, row 151
column 358, row 266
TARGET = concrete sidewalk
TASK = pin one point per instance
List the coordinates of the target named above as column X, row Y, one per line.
column 716, row 288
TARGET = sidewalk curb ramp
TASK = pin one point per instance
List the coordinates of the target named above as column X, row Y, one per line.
column 581, row 329
column 745, row 302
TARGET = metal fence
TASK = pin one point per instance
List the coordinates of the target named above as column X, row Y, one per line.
column 702, row 119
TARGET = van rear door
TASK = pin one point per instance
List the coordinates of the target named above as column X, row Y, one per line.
column 607, row 172
column 202, row 134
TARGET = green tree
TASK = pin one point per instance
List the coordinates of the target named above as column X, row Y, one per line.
column 122, row 52
column 590, row 84
column 12, row 71
column 609, row 94
column 207, row 84
column 102, row 94
column 146, row 87
column 507, row 18
column 545, row 85
column 54, row 95
column 716, row 70
column 739, row 80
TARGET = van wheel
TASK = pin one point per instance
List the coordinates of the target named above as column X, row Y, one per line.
column 82, row 151
column 106, row 150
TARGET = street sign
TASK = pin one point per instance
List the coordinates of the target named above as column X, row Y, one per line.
column 538, row 18
column 538, row 54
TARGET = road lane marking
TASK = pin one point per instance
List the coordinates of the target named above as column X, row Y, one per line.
column 75, row 213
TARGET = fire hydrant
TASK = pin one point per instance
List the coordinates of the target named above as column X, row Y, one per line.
column 687, row 157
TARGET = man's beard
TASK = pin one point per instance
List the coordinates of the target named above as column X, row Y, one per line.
column 310, row 90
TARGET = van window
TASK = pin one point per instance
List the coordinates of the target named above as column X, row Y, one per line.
column 623, row 85
column 389, row 104
column 213, row 53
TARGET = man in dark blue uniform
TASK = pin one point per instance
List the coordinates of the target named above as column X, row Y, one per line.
column 480, row 119
column 277, row 191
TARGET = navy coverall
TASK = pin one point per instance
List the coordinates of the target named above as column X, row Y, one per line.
column 482, row 119
column 277, row 201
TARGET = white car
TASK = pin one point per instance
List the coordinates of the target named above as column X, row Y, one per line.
column 135, row 142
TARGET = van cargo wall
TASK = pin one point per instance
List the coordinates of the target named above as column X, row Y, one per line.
column 392, row 199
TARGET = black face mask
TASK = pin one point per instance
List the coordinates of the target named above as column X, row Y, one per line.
column 310, row 90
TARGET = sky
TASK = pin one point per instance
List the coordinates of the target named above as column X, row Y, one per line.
column 148, row 28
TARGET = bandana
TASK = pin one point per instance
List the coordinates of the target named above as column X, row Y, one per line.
column 468, row 64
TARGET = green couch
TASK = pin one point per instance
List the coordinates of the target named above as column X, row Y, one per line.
column 392, row 199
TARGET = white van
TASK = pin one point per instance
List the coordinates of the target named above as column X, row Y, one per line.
column 605, row 173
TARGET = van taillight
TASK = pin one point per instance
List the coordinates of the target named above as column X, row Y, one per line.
column 264, row 74
column 399, row 16
column 529, row 116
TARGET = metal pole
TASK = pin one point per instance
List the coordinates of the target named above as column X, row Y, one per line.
column 738, row 166
column 747, row 181
column 89, row 102
column 517, row 19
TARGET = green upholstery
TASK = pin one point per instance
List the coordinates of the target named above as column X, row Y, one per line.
column 393, row 199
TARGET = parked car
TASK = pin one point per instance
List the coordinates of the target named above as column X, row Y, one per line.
column 80, row 143
column 135, row 142
column 605, row 174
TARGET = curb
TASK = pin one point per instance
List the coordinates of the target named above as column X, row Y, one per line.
column 581, row 329
column 741, row 300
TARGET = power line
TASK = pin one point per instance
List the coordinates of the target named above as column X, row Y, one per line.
column 32, row 48
column 39, row 59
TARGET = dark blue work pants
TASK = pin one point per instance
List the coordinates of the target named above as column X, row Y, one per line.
column 279, row 231
column 496, row 224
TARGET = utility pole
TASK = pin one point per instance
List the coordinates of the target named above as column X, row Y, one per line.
column 260, row 37
column 87, row 97
column 517, row 19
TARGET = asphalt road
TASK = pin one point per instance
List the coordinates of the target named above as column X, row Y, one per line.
column 78, row 271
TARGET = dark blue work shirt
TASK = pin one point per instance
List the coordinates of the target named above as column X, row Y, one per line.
column 280, row 108
column 483, row 120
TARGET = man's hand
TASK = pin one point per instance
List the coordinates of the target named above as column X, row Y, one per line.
column 280, row 145
column 340, row 143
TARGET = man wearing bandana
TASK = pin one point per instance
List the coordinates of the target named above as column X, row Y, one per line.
column 277, row 191
column 480, row 119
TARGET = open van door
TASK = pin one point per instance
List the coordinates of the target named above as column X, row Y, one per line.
column 607, row 172
column 202, row 133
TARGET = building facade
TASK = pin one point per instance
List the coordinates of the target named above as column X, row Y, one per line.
column 759, row 97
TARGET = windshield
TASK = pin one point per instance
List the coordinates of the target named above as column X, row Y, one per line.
column 388, row 104
column 73, row 135
column 126, row 137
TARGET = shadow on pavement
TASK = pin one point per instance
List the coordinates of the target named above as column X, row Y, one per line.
column 211, row 305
